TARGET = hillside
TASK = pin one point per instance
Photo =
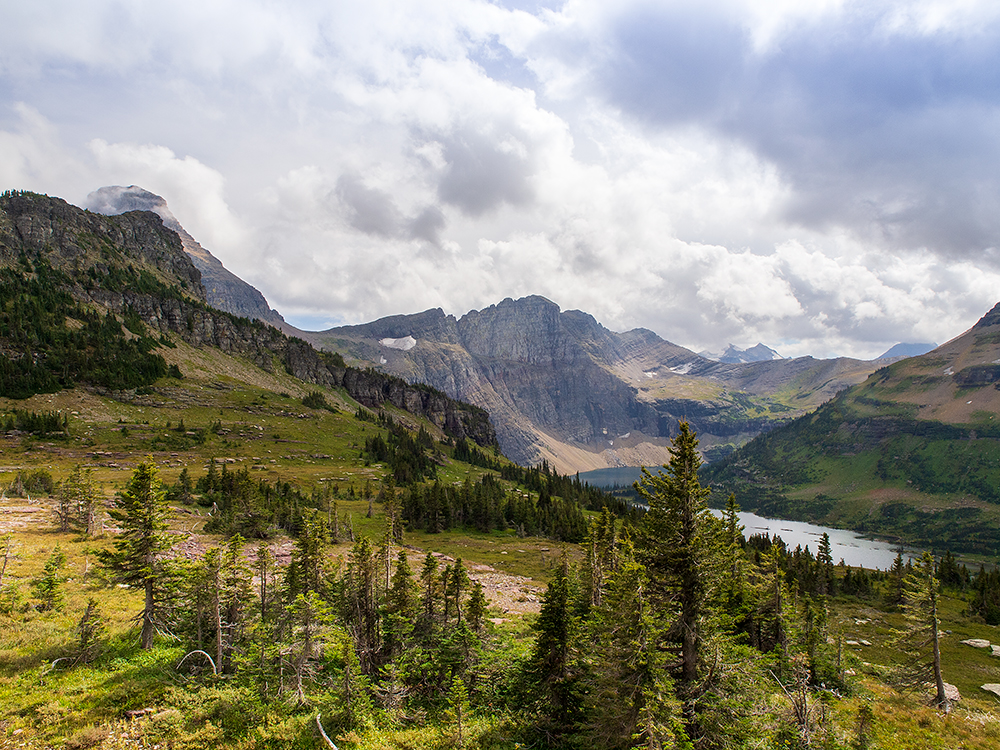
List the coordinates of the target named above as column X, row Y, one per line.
column 914, row 452
column 563, row 388
column 126, row 279
column 223, row 289
column 376, row 574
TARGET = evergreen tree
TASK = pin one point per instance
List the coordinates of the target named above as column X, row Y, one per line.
column 401, row 608
column 140, row 511
column 918, row 638
column 477, row 609
column 551, row 667
column 48, row 586
column 77, row 501
column 673, row 546
column 630, row 700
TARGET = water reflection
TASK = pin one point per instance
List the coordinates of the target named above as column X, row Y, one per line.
column 848, row 546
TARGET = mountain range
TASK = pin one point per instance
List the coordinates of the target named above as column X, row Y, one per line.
column 558, row 385
column 905, row 447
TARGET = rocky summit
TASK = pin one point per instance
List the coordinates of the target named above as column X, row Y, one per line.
column 223, row 289
column 561, row 387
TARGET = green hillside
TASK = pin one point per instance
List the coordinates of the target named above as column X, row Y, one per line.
column 251, row 545
column 913, row 453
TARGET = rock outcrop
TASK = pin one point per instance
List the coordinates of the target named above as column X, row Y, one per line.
column 91, row 249
column 564, row 388
column 223, row 289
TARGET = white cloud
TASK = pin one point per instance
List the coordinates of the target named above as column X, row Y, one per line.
column 771, row 180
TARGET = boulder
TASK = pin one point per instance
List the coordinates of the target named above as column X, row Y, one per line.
column 992, row 687
column 976, row 642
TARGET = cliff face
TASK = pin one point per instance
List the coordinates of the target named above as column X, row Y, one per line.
column 74, row 241
column 90, row 249
column 223, row 289
column 562, row 387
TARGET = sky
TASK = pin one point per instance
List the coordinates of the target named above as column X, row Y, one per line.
column 822, row 177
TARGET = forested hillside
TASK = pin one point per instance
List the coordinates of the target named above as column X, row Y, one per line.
column 912, row 453
column 213, row 536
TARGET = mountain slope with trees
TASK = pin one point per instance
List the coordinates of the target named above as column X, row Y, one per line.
column 913, row 452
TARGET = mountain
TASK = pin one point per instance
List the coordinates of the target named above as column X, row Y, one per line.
column 223, row 289
column 561, row 387
column 96, row 301
column 907, row 350
column 913, row 452
column 734, row 354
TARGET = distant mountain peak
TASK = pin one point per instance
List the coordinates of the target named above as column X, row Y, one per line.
column 224, row 290
column 735, row 355
column 906, row 350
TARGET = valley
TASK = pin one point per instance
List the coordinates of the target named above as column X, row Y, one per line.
column 349, row 550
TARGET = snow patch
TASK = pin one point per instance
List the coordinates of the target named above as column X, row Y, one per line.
column 650, row 374
column 622, row 437
column 682, row 369
column 949, row 371
column 404, row 344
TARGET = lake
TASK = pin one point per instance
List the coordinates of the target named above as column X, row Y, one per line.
column 848, row 546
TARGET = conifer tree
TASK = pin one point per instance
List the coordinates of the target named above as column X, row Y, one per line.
column 77, row 501
column 477, row 608
column 401, row 607
column 918, row 638
column 672, row 545
column 552, row 661
column 429, row 583
column 630, row 699
column 140, row 511
column 48, row 585
column 362, row 600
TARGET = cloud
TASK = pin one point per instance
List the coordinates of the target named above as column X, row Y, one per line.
column 194, row 191
column 881, row 122
column 821, row 176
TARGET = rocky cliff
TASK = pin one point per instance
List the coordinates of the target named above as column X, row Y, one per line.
column 564, row 388
column 223, row 289
column 96, row 252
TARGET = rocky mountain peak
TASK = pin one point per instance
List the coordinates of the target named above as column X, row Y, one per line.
column 224, row 290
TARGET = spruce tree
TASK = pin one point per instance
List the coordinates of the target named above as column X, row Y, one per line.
column 918, row 638
column 551, row 667
column 673, row 547
column 630, row 700
column 136, row 559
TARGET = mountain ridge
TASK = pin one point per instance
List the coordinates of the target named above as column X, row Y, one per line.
column 563, row 388
column 223, row 289
column 914, row 451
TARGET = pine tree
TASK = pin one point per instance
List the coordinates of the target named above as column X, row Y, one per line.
column 824, row 567
column 140, row 511
column 401, row 608
column 48, row 586
column 630, row 699
column 477, row 609
column 918, row 638
column 551, row 666
column 673, row 547
column 77, row 501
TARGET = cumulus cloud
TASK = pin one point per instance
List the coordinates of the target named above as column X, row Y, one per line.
column 821, row 176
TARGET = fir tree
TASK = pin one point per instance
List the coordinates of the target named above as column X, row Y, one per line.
column 673, row 546
column 918, row 638
column 140, row 511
